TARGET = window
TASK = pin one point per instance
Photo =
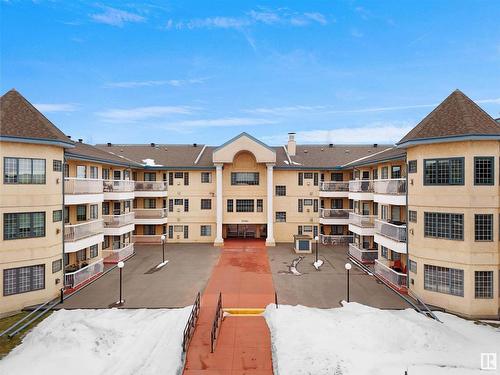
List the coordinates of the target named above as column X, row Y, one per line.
column 483, row 227
column 281, row 217
column 149, row 230
column 444, row 225
column 186, row 232
column 206, row 177
column 178, row 202
column 245, row 205
column 24, row 171
column 229, row 205
column 384, row 173
column 149, row 176
column 186, row 178
column 395, row 255
column 81, row 171
column 337, row 203
column 412, row 216
column 299, row 230
column 94, row 211
column 170, row 205
column 105, row 208
column 301, row 178
column 170, row 178
column 105, row 174
column 66, row 170
column 260, row 205
column 23, row 225
column 337, row 230
column 186, row 205
column 94, row 172
column 170, row 232
column 384, row 252
column 56, row 216
column 337, row 176
column 244, row 178
column 56, row 265
column 280, row 190
column 23, row 279
column 150, row 202
column 315, row 231
column 178, row 228
column 66, row 215
column 396, row 171
column 81, row 213
column 81, row 255
column 57, row 165
column 444, row 280
column 308, row 202
column 179, row 175
column 483, row 170
column 315, row 205
column 94, row 250
column 205, row 230
column 316, row 181
column 412, row 166
column 483, row 284
column 375, row 174
column 105, row 243
column 301, row 205
column 307, row 228
column 206, row 204
column 413, row 266
column 444, row 171
column 308, row 175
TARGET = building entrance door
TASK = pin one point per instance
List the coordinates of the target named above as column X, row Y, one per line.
column 246, row 231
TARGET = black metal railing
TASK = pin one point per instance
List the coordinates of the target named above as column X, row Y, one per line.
column 216, row 323
column 191, row 323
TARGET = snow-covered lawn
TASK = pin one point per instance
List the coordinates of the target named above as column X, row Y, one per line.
column 88, row 342
column 358, row 340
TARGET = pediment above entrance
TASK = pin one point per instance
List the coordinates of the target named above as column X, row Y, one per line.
column 244, row 142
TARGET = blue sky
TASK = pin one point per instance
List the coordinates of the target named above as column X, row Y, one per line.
column 204, row 71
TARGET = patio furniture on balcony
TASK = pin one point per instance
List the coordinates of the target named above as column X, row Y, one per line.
column 118, row 186
column 393, row 277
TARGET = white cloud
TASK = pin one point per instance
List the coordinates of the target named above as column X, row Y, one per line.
column 287, row 110
column 218, row 122
column 356, row 33
column 56, row 107
column 116, row 17
column 152, row 83
column 488, row 101
column 142, row 113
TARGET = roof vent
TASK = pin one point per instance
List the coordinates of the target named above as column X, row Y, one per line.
column 330, row 145
column 347, row 151
column 375, row 145
column 322, row 149
column 80, row 140
column 69, row 136
column 109, row 144
column 195, row 144
column 152, row 144
column 305, row 151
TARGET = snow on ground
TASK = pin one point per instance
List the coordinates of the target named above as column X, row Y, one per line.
column 357, row 340
column 111, row 341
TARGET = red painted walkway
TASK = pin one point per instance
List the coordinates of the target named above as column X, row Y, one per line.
column 243, row 275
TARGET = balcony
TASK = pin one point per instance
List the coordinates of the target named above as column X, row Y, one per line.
column 147, row 239
column 82, row 190
column 83, row 235
column 391, row 235
column 396, row 279
column 363, row 225
column 391, row 191
column 332, row 239
column 73, row 280
column 337, row 189
column 151, row 215
column 116, row 225
column 113, row 256
column 365, row 256
column 118, row 189
column 334, row 216
column 360, row 190
column 150, row 189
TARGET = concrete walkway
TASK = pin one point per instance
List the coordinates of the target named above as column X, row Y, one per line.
column 243, row 276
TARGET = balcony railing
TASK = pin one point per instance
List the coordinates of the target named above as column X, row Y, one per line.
column 334, row 186
column 332, row 239
column 117, row 255
column 327, row 213
column 361, row 186
column 150, row 213
column 395, row 278
column 118, row 186
column 73, row 185
column 78, row 231
column 397, row 232
column 150, row 185
column 147, row 239
column 364, row 221
column 395, row 186
column 73, row 279
column 116, row 221
column 363, row 255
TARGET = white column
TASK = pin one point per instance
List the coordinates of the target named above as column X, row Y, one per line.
column 270, row 211
column 218, row 180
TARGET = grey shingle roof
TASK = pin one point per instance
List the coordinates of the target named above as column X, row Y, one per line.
column 392, row 153
column 89, row 152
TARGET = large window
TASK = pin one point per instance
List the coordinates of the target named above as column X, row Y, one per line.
column 412, row 216
column 149, row 176
column 444, row 171
column 56, row 265
column 81, row 213
column 396, row 171
column 245, row 205
column 24, row 171
column 57, row 165
column 483, row 227
column 206, row 177
column 483, row 170
column 205, row 230
column 244, row 178
column 230, row 205
column 280, row 217
column 444, row 225
column 483, row 284
column 93, row 251
column 260, row 205
column 23, row 225
column 444, row 280
column 206, row 204
column 23, row 279
column 280, row 190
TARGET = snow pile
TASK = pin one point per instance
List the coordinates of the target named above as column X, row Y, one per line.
column 151, row 163
column 115, row 341
column 358, row 340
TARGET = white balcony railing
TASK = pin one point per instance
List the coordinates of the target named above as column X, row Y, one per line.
column 327, row 213
column 117, row 255
column 147, row 239
column 363, row 255
column 361, row 186
column 334, row 186
column 331, row 239
column 118, row 186
column 73, row 279
column 150, row 186
column 364, row 221
column 73, row 185
column 395, row 186
column 116, row 221
column 150, row 213
column 397, row 232
column 78, row 231
column 395, row 278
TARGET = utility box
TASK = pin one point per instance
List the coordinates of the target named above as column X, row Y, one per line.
column 302, row 244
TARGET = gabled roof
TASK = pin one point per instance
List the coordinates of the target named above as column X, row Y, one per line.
column 243, row 134
column 457, row 117
column 20, row 121
column 83, row 151
column 389, row 154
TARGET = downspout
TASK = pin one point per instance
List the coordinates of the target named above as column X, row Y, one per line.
column 407, row 229
column 63, row 219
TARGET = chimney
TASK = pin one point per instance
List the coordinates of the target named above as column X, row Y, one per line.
column 109, row 144
column 292, row 146
column 152, row 144
column 80, row 140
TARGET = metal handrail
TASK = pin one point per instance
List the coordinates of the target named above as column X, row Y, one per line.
column 217, row 322
column 191, row 323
